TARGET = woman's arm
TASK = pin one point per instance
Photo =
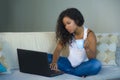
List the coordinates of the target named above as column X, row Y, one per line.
column 56, row 55
column 90, row 45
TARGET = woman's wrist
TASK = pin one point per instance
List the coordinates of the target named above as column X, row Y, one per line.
column 54, row 61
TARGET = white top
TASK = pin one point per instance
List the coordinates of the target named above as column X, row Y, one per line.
column 77, row 53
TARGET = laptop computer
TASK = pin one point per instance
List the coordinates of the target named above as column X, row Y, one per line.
column 35, row 62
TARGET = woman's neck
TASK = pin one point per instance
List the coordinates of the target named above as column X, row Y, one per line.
column 79, row 30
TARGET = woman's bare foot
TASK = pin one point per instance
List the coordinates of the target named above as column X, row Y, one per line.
column 83, row 76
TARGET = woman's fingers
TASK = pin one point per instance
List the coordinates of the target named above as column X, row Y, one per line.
column 53, row 66
column 86, row 44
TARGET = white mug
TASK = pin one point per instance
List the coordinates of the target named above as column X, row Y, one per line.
column 80, row 43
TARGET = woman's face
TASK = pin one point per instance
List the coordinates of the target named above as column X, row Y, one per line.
column 69, row 24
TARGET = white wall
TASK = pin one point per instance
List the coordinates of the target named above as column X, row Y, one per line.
column 100, row 15
column 41, row 15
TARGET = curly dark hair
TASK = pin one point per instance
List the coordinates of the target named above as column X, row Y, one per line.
column 61, row 33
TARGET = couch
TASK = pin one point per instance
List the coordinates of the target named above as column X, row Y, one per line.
column 108, row 52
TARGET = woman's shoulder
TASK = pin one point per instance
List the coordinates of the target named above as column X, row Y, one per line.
column 90, row 33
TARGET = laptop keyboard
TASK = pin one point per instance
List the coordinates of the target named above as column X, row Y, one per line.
column 53, row 72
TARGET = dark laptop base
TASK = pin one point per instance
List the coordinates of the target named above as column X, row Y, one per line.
column 51, row 74
column 35, row 62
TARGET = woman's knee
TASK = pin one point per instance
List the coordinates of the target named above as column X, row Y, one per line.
column 50, row 56
column 96, row 66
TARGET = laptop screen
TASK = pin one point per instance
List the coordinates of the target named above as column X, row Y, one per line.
column 33, row 62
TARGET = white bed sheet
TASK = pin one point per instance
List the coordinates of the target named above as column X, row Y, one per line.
column 107, row 72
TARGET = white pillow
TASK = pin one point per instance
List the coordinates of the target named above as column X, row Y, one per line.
column 106, row 48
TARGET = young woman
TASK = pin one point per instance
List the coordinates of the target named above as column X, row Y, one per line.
column 71, row 31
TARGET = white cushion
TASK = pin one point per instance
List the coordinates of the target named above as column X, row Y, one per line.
column 39, row 41
column 45, row 41
column 106, row 47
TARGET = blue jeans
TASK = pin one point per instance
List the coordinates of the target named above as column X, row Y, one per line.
column 90, row 67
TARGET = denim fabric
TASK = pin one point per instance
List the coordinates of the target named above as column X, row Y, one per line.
column 90, row 67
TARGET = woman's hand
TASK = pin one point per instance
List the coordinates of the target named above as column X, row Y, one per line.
column 90, row 46
column 54, row 66
column 86, row 44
